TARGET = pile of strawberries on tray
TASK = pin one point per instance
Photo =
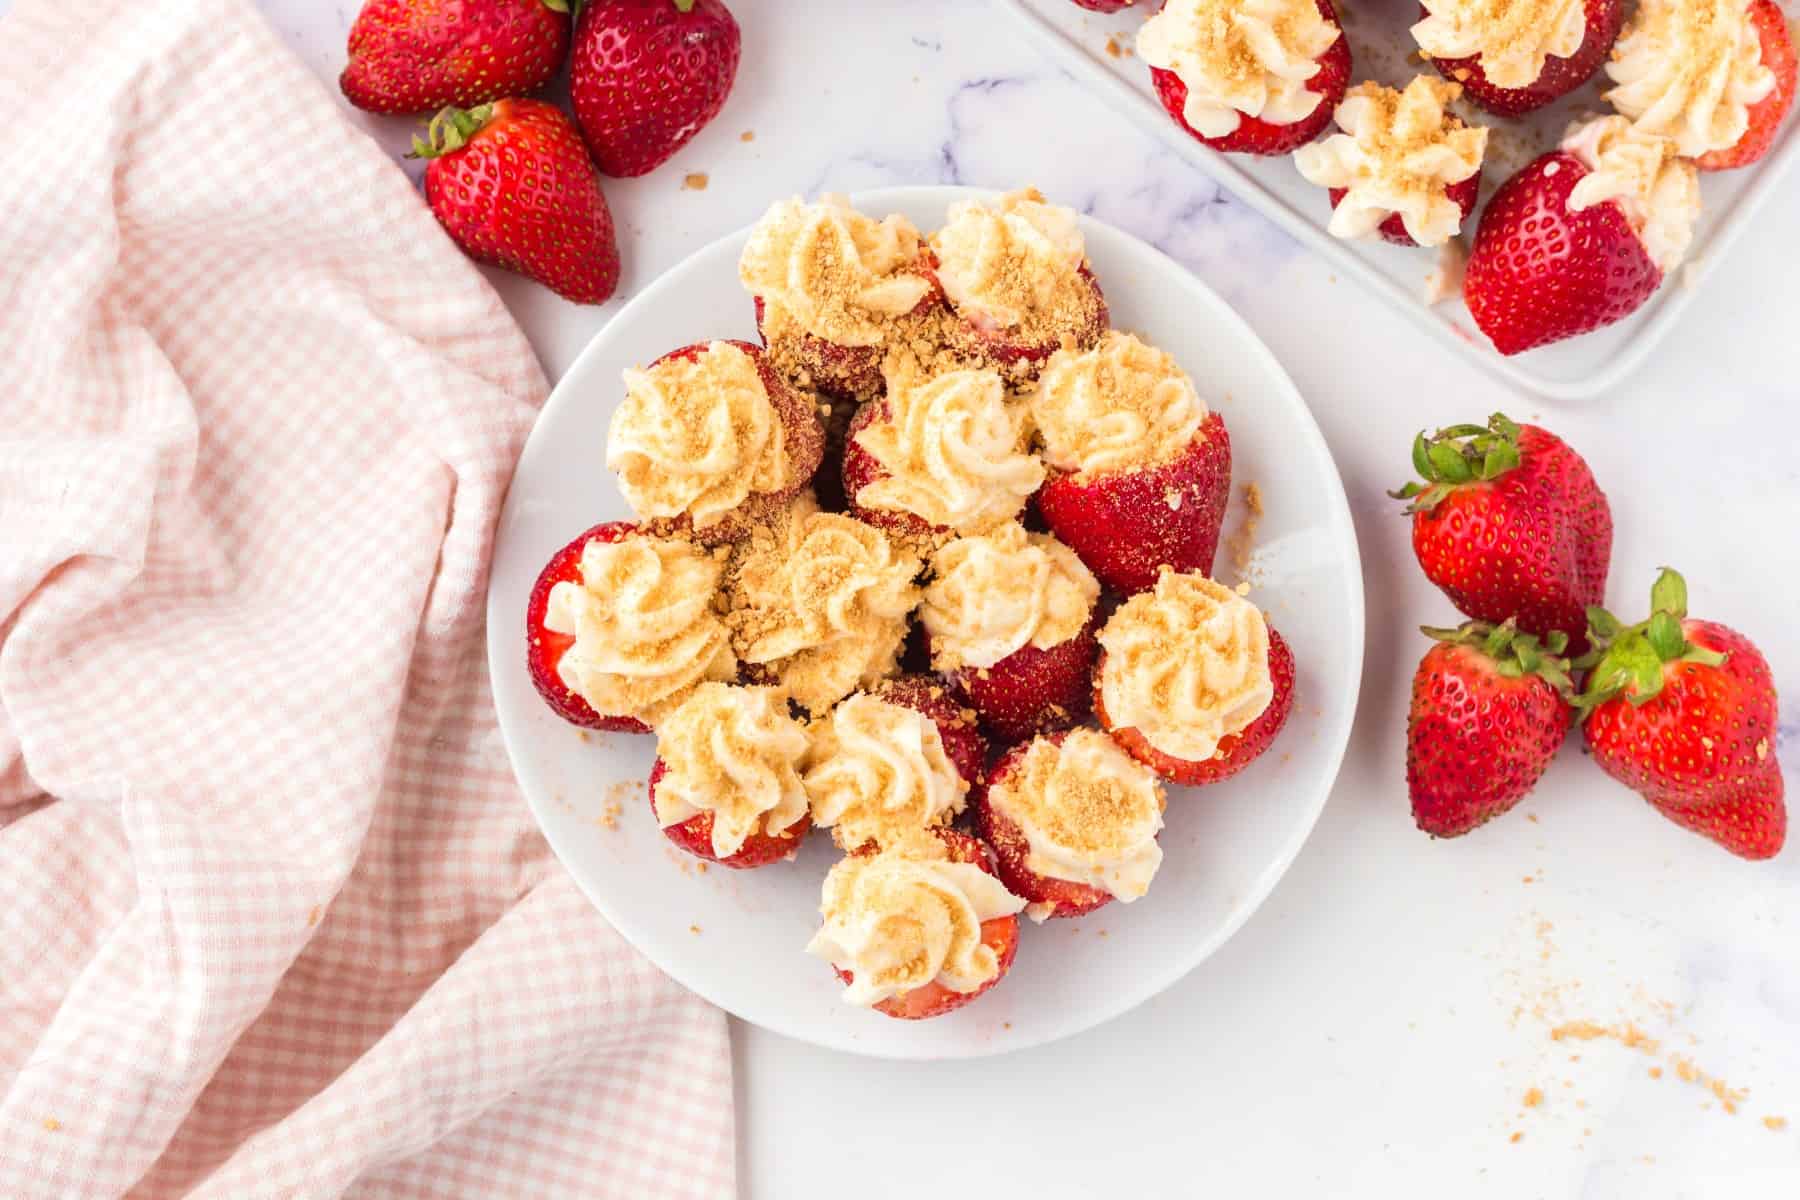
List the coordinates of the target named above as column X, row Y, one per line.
column 510, row 177
column 1509, row 521
column 930, row 569
column 1577, row 239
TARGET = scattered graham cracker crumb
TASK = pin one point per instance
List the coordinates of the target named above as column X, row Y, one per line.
column 1776, row 1124
column 695, row 181
column 1112, row 46
column 582, row 734
column 749, row 135
column 52, row 1124
column 1585, row 1031
column 1656, row 1072
column 1516, row 1137
column 1534, row 1097
column 693, row 929
column 1006, row 1024
column 1532, row 817
column 1242, row 543
column 700, row 867
column 312, row 918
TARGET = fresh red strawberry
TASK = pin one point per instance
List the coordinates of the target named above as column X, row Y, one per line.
column 544, row 649
column 646, row 75
column 1765, row 114
column 1393, row 229
column 1000, row 934
column 963, row 743
column 1256, row 136
column 512, row 185
column 1032, row 691
column 1540, row 272
column 1684, row 712
column 759, row 849
column 1560, row 76
column 1511, row 525
column 1236, row 750
column 417, row 56
column 1489, row 711
column 1012, row 851
column 1128, row 525
column 803, row 439
column 1105, row 6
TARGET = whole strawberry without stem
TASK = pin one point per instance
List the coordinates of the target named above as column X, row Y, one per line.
column 1683, row 712
column 513, row 185
column 1511, row 525
column 1490, row 709
column 417, row 56
column 646, row 75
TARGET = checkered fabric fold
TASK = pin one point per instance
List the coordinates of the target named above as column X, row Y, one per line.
column 274, row 920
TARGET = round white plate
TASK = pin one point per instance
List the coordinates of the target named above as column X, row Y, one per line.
column 736, row 937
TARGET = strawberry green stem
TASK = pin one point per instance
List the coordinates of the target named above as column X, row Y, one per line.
column 450, row 131
column 1457, row 455
column 1514, row 654
column 1629, row 659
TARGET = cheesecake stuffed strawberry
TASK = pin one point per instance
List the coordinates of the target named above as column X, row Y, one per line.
column 1140, row 469
column 831, row 286
column 1582, row 236
column 1515, row 56
column 710, row 437
column 919, row 928
column 1073, row 821
column 940, row 454
column 726, row 785
column 1248, row 76
column 1714, row 76
column 1404, row 166
column 891, row 761
column 1192, row 681
column 1015, row 272
column 817, row 604
column 1683, row 711
column 624, row 624
column 1009, row 618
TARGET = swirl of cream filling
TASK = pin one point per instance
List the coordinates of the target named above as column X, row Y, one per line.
column 1186, row 664
column 1011, row 262
column 822, row 599
column 696, row 436
column 645, row 627
column 1513, row 37
column 1399, row 153
column 878, row 771
column 1089, row 812
column 1240, row 58
column 1690, row 70
column 993, row 594
column 905, row 918
column 1656, row 189
column 1124, row 404
column 954, row 451
column 841, row 275
column 733, row 752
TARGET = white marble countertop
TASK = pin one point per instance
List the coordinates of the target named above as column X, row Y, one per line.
column 1376, row 1028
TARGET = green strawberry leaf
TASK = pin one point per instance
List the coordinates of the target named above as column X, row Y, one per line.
column 1669, row 593
column 1421, row 456
column 1448, row 463
column 1663, row 631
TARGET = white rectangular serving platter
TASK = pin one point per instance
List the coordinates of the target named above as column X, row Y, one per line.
column 1078, row 41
